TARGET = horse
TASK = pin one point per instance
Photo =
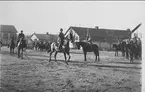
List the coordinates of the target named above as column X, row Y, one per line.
column 12, row 46
column 20, row 46
column 134, row 50
column 0, row 45
column 116, row 48
column 88, row 48
column 65, row 50
column 41, row 46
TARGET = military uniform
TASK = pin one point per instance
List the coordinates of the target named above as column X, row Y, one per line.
column 21, row 35
column 61, row 37
column 89, row 40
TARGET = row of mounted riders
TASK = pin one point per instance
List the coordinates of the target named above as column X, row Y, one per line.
column 40, row 45
column 130, row 49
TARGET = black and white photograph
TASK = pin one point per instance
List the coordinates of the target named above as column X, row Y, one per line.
column 72, row 46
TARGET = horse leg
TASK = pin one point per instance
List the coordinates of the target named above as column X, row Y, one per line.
column 10, row 51
column 13, row 51
column 65, row 57
column 126, row 54
column 55, row 56
column 98, row 55
column 69, row 56
column 115, row 53
column 50, row 56
column 22, row 54
column 18, row 52
column 131, row 57
column 85, row 56
column 95, row 55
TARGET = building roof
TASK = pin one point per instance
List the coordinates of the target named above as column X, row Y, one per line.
column 98, row 34
column 8, row 28
column 46, row 37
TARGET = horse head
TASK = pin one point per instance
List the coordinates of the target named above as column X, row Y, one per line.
column 78, row 45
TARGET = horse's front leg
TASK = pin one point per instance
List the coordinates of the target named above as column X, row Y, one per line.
column 68, row 57
column 18, row 52
column 117, row 53
column 55, row 56
column 85, row 53
column 10, row 51
column 65, row 58
column 22, row 54
column 13, row 51
column 131, row 57
column 50, row 56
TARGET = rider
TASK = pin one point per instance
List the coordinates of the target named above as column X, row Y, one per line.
column 89, row 41
column 21, row 35
column 61, row 37
column 135, row 39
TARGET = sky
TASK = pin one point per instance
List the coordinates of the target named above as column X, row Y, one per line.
column 50, row 16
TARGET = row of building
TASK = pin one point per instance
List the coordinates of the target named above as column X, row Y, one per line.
column 104, row 38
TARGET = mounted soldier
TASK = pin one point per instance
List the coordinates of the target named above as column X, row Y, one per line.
column 61, row 38
column 21, row 35
column 135, row 39
column 89, row 39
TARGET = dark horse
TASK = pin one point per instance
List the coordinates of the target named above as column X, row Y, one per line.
column 116, row 48
column 65, row 50
column 12, row 46
column 88, row 48
column 134, row 50
column 20, row 46
column 0, row 45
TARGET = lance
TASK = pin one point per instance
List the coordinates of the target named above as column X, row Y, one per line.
column 136, row 28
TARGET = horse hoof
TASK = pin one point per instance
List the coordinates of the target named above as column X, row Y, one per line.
column 66, row 63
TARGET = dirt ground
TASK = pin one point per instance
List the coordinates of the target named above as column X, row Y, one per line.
column 35, row 74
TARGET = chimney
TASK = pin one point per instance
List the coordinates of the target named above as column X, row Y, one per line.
column 47, row 33
column 96, row 27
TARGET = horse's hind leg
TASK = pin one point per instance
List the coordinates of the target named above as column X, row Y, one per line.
column 69, row 56
column 65, row 58
column 97, row 55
